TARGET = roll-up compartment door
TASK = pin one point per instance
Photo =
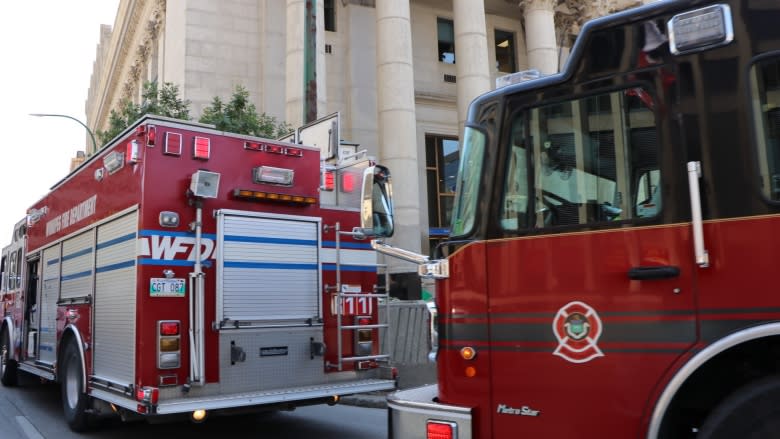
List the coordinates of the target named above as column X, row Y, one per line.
column 268, row 268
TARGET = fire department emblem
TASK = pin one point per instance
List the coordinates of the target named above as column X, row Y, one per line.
column 577, row 327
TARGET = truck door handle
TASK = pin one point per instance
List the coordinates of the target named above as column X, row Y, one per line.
column 655, row 272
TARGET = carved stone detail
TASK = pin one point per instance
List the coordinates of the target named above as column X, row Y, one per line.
column 149, row 37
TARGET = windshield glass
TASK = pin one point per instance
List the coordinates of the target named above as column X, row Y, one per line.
column 469, row 173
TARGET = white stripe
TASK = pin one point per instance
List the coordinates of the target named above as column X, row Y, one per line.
column 29, row 430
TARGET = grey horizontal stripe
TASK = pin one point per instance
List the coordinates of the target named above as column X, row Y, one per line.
column 641, row 350
column 634, row 332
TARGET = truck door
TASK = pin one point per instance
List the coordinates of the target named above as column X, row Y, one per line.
column 269, row 310
column 591, row 293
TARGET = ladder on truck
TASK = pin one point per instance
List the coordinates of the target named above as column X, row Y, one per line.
column 380, row 292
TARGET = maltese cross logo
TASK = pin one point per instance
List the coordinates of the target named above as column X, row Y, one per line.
column 577, row 327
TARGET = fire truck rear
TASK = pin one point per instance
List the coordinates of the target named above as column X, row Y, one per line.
column 611, row 260
column 184, row 271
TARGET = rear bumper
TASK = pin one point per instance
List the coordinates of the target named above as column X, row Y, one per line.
column 410, row 410
column 290, row 396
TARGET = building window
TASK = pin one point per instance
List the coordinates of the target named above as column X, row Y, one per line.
column 330, row 16
column 446, row 40
column 505, row 51
column 442, row 157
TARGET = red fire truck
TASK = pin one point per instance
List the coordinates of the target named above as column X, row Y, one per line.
column 608, row 272
column 186, row 271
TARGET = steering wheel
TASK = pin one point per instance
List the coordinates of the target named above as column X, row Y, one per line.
column 551, row 212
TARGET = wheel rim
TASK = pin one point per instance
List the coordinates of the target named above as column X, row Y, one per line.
column 72, row 390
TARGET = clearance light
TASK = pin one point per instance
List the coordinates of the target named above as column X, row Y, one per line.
column 151, row 135
column 271, row 175
column 295, row 152
column 254, row 146
column 247, row 194
column 700, row 29
column 440, row 430
column 202, row 148
column 275, row 149
column 347, row 183
column 470, row 372
column 172, row 144
column 329, row 181
column 468, row 353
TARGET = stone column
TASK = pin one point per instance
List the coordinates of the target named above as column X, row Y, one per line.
column 471, row 54
column 294, row 70
column 397, row 121
column 540, row 36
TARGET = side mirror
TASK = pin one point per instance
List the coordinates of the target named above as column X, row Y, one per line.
column 376, row 205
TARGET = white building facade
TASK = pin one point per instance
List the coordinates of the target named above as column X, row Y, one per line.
column 401, row 73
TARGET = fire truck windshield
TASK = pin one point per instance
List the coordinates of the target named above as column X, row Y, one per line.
column 469, row 173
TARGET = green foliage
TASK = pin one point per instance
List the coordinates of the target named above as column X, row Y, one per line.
column 162, row 102
column 240, row 116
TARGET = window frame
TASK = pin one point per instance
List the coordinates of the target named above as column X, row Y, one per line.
column 441, row 53
column 632, row 172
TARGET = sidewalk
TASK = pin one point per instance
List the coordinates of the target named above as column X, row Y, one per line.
column 408, row 377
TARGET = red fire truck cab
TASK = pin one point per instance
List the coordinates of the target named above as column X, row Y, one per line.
column 609, row 268
column 185, row 271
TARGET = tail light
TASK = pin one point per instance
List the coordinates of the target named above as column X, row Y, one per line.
column 149, row 395
column 364, row 343
column 441, row 430
column 168, row 344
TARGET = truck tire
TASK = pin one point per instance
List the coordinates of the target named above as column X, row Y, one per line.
column 74, row 401
column 752, row 411
column 8, row 371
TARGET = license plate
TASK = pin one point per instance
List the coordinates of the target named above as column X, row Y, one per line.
column 160, row 286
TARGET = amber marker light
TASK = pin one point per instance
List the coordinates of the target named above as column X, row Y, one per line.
column 470, row 372
column 468, row 353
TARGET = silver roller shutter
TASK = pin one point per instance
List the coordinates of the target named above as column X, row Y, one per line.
column 268, row 268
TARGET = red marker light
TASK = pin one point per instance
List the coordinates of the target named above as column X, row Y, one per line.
column 347, row 183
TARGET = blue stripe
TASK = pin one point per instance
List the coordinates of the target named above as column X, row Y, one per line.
column 332, row 267
column 166, row 233
column 266, row 240
column 86, row 251
column 117, row 266
column 356, row 245
column 53, row 261
column 171, row 262
column 271, row 265
column 77, row 275
column 115, row 241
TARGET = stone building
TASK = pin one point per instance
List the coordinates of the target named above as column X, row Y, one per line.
column 401, row 73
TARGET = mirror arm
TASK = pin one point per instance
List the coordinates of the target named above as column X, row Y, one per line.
column 399, row 253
